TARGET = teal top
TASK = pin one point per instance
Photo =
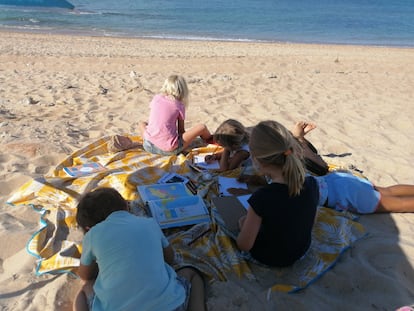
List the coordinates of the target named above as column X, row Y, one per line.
column 132, row 272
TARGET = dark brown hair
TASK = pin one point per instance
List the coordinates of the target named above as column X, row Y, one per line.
column 231, row 134
column 97, row 205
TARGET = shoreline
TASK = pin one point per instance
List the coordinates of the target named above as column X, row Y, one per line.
column 201, row 40
column 196, row 38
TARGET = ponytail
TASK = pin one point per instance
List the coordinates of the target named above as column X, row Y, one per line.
column 294, row 173
column 271, row 143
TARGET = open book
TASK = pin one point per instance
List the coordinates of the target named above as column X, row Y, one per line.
column 84, row 169
column 168, row 178
column 173, row 205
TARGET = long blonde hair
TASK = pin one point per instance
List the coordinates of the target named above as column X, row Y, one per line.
column 272, row 144
column 176, row 87
column 231, row 134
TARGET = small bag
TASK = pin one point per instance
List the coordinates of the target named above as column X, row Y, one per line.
column 119, row 143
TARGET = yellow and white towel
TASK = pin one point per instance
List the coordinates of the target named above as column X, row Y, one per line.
column 57, row 243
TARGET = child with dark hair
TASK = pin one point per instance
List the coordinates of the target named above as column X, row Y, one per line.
column 126, row 259
column 233, row 137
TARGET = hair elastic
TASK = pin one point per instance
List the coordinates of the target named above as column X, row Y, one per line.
column 288, row 152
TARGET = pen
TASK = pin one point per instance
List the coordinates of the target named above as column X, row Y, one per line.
column 243, row 170
column 191, row 186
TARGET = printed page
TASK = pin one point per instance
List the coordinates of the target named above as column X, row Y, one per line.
column 163, row 191
column 178, row 212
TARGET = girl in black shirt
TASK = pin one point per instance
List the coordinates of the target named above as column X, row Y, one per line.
column 278, row 227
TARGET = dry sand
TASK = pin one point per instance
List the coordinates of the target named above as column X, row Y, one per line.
column 59, row 93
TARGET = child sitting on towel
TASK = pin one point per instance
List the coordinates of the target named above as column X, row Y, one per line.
column 125, row 261
column 164, row 133
column 278, row 226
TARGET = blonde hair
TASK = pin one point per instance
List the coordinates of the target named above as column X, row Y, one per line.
column 272, row 144
column 231, row 134
column 176, row 86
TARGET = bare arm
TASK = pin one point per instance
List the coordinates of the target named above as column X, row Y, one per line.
column 249, row 229
column 224, row 160
column 88, row 272
column 168, row 254
column 236, row 160
column 230, row 163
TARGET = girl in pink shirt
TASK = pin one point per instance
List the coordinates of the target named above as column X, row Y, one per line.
column 164, row 133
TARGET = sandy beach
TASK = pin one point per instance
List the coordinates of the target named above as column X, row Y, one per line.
column 59, row 93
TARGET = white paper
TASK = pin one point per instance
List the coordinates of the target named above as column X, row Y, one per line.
column 199, row 160
column 228, row 182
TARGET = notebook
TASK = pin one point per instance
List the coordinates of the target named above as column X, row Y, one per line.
column 199, row 161
column 230, row 209
column 173, row 205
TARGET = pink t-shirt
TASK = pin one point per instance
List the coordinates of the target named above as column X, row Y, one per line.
column 162, row 128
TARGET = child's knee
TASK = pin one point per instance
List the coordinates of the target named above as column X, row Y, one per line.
column 87, row 288
column 189, row 273
column 201, row 127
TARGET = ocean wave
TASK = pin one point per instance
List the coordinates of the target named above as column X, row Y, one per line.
column 199, row 38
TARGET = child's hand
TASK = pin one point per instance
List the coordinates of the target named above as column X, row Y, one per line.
column 210, row 158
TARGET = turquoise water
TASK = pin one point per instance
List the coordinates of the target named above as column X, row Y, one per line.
column 367, row 22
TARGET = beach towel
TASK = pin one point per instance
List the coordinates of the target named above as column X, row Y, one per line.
column 206, row 246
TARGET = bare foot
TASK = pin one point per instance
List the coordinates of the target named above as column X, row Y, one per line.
column 302, row 128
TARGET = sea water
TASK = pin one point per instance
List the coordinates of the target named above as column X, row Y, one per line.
column 365, row 22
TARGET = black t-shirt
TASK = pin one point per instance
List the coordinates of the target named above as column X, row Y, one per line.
column 286, row 229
